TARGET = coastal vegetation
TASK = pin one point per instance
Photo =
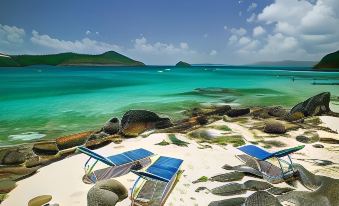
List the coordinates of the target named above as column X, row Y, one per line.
column 110, row 58
column 329, row 62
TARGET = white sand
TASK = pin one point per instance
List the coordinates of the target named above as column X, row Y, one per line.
column 330, row 122
column 63, row 181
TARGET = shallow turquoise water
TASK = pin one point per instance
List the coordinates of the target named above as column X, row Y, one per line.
column 46, row 102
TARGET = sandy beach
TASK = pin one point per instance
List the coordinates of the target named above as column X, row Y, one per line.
column 63, row 179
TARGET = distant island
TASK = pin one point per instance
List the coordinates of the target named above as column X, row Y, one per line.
column 183, row 64
column 329, row 62
column 110, row 58
column 285, row 63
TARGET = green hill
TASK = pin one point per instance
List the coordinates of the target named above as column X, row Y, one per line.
column 183, row 64
column 329, row 62
column 109, row 58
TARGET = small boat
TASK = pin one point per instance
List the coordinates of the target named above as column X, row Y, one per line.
column 118, row 164
column 265, row 162
column 155, row 183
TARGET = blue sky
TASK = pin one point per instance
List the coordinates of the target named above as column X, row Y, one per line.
column 164, row 32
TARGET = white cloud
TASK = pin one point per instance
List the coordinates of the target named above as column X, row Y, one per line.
column 244, row 40
column 184, row 45
column 11, row 34
column 97, row 33
column 85, row 45
column 252, row 18
column 252, row 7
column 88, row 32
column 233, row 39
column 213, row 53
column 257, row 31
column 225, row 28
column 240, row 32
column 309, row 27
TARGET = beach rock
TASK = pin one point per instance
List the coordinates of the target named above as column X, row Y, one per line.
column 274, row 127
column 97, row 196
column 112, row 126
column 96, row 141
column 229, row 189
column 32, row 162
column 279, row 190
column 257, row 185
column 295, row 117
column 277, row 111
column 318, row 146
column 45, row 148
column 16, row 172
column 303, row 139
column 261, row 113
column 316, row 105
column 12, row 157
column 202, row 120
column 7, row 185
column 238, row 201
column 227, row 177
column 329, row 140
column 201, row 189
column 113, row 186
column 135, row 122
column 220, row 111
column 262, row 198
column 40, row 200
column 227, row 167
column 238, row 112
column 72, row 140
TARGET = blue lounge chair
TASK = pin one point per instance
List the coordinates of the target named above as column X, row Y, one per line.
column 257, row 160
column 156, row 182
column 118, row 164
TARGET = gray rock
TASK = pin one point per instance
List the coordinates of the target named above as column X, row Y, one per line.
column 279, row 190
column 277, row 112
column 112, row 126
column 201, row 189
column 12, row 157
column 274, row 127
column 134, row 122
column 238, row 112
column 318, row 146
column 262, row 198
column 316, row 105
column 229, row 189
column 257, row 185
column 303, row 139
column 238, row 201
column 227, row 177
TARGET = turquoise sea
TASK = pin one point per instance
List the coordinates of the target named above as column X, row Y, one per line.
column 47, row 102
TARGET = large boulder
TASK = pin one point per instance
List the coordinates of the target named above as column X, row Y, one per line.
column 316, row 105
column 274, row 127
column 112, row 126
column 106, row 192
column 135, row 122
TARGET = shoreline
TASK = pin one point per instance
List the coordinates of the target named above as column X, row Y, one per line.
column 58, row 158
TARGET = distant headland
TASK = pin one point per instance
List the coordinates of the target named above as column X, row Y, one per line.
column 329, row 62
column 183, row 64
column 110, row 58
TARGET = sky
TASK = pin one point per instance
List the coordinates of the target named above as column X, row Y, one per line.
column 161, row 32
